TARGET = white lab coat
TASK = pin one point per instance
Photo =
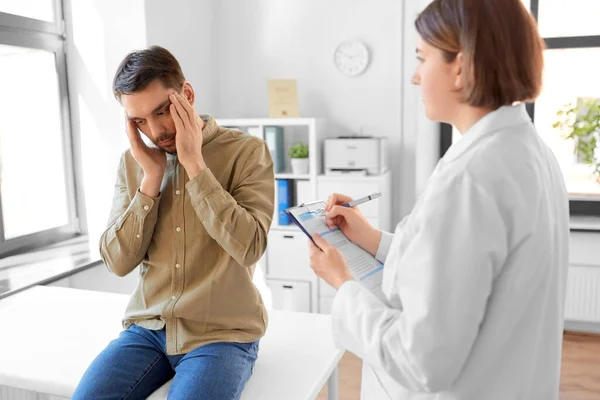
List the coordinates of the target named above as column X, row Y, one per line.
column 474, row 278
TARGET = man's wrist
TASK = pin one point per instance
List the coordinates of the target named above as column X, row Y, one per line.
column 151, row 185
column 194, row 169
column 154, row 175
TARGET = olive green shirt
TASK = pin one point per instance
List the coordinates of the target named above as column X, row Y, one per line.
column 197, row 242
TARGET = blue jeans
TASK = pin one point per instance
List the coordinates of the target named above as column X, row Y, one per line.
column 136, row 364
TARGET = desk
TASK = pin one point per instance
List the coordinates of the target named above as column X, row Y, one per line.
column 49, row 337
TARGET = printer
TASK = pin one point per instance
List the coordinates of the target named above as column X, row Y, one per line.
column 356, row 155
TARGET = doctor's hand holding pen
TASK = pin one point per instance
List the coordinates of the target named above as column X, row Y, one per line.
column 340, row 212
column 327, row 261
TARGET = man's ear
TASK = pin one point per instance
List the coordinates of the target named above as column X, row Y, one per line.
column 459, row 80
column 188, row 92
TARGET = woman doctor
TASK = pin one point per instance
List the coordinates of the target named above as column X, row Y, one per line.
column 474, row 277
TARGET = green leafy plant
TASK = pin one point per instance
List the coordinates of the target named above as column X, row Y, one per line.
column 581, row 122
column 298, row 150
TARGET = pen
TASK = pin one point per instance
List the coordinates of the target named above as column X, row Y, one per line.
column 362, row 200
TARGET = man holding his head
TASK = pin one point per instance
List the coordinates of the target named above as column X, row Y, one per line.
column 193, row 211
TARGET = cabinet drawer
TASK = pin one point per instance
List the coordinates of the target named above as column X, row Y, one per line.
column 290, row 295
column 287, row 254
column 355, row 190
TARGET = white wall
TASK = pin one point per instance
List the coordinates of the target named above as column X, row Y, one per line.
column 256, row 40
column 296, row 39
column 99, row 34
column 190, row 31
column 228, row 49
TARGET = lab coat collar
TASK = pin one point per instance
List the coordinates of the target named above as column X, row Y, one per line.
column 502, row 118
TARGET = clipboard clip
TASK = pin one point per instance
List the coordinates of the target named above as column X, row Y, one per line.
column 318, row 211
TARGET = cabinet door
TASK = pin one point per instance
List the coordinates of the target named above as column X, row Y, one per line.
column 288, row 256
column 290, row 295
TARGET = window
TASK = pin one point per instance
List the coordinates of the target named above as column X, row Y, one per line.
column 573, row 50
column 43, row 10
column 37, row 193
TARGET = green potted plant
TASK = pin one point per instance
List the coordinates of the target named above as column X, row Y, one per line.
column 581, row 123
column 298, row 153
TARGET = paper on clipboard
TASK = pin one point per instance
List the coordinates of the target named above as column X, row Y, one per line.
column 363, row 266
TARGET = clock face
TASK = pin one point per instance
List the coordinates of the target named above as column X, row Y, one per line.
column 351, row 57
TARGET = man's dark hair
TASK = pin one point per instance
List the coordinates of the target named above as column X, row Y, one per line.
column 141, row 67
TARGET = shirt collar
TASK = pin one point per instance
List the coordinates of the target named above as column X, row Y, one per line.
column 502, row 118
column 210, row 130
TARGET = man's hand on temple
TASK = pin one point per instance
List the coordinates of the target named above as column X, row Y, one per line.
column 152, row 160
column 188, row 138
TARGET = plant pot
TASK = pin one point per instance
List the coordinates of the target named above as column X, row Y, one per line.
column 299, row 166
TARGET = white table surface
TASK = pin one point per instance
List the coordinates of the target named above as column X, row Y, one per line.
column 50, row 335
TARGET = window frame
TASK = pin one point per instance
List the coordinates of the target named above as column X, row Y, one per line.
column 577, row 206
column 27, row 32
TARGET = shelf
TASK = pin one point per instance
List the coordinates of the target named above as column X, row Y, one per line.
column 289, row 175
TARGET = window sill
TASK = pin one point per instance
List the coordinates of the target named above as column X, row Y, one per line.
column 45, row 265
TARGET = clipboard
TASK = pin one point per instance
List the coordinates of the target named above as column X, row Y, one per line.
column 364, row 267
column 314, row 207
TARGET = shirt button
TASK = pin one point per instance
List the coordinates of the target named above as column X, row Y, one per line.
column 178, row 229
column 146, row 208
column 138, row 236
column 178, row 192
column 173, row 297
column 177, row 265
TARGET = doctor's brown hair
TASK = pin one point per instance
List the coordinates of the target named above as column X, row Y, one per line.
column 501, row 47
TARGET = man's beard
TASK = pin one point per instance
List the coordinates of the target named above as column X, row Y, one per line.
column 172, row 151
column 164, row 138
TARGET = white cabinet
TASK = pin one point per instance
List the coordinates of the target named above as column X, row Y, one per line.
column 290, row 295
column 325, row 305
column 325, row 290
column 287, row 254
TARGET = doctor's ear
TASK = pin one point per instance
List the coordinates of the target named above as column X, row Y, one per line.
column 458, row 71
